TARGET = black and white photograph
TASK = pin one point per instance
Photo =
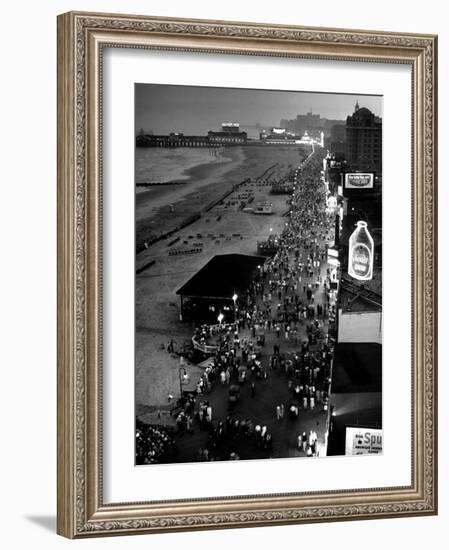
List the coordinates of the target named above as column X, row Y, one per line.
column 258, row 274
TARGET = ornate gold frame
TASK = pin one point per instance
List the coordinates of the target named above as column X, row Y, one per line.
column 81, row 37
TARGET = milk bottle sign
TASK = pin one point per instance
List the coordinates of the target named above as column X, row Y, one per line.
column 361, row 253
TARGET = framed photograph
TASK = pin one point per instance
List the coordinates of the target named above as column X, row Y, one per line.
column 246, row 274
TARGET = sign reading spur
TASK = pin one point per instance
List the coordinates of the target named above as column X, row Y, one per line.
column 363, row 441
column 356, row 180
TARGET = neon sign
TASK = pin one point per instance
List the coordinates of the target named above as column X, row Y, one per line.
column 359, row 181
column 361, row 253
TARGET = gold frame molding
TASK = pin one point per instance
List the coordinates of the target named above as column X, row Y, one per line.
column 81, row 38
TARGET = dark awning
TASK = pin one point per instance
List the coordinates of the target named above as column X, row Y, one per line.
column 223, row 276
column 357, row 368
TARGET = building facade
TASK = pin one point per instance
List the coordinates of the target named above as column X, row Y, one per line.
column 230, row 134
column 364, row 141
column 311, row 122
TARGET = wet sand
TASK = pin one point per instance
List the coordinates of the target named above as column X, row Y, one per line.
column 207, row 183
column 148, row 202
column 168, row 164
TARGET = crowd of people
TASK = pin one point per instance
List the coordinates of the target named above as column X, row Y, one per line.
column 154, row 444
column 289, row 302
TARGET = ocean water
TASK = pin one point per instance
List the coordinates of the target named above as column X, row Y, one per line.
column 209, row 174
column 162, row 165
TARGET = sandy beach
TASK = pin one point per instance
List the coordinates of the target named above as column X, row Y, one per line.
column 224, row 229
column 207, row 182
column 168, row 164
column 148, row 202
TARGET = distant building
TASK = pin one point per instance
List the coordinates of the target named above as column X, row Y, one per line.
column 364, row 141
column 279, row 131
column 337, row 140
column 230, row 134
column 312, row 123
column 302, row 122
column 230, row 127
column 174, row 139
column 276, row 133
column 281, row 136
column 338, row 132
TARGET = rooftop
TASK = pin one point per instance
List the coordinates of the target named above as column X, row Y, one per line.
column 223, row 276
column 361, row 295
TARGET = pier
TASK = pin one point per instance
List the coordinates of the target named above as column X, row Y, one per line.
column 175, row 140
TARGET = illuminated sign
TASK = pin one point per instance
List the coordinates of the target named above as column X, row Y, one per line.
column 363, row 441
column 361, row 253
column 331, row 202
column 278, row 131
column 359, row 181
column 360, row 262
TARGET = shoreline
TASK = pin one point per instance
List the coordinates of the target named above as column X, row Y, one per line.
column 199, row 171
column 180, row 174
column 163, row 208
column 199, row 177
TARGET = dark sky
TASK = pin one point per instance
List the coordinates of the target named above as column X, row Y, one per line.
column 195, row 109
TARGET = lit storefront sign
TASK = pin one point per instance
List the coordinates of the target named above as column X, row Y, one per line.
column 361, row 253
column 358, row 180
column 363, row 441
column 332, row 258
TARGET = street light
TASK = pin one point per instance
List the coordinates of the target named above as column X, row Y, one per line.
column 234, row 299
column 220, row 318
